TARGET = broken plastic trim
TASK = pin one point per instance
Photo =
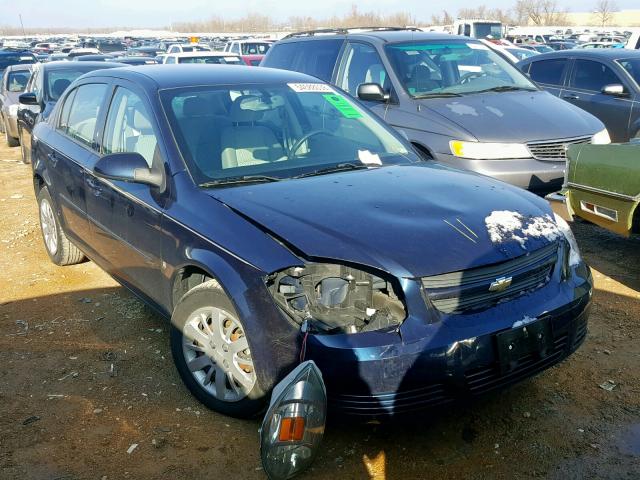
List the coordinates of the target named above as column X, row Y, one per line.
column 335, row 298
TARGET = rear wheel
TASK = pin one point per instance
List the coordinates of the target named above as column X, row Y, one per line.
column 59, row 248
column 211, row 351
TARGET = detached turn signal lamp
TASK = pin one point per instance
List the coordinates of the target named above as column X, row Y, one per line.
column 293, row 427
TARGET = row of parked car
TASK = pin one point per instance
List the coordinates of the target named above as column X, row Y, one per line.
column 292, row 224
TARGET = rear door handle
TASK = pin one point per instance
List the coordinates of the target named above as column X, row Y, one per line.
column 571, row 96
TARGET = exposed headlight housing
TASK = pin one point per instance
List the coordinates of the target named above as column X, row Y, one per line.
column 601, row 138
column 574, row 252
column 488, row 151
column 337, row 299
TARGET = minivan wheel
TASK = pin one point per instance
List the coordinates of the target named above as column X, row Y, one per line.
column 11, row 141
column 211, row 351
column 59, row 248
column 23, row 148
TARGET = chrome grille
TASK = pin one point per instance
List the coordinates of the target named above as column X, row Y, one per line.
column 468, row 290
column 555, row 150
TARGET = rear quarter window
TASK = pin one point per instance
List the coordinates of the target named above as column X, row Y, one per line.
column 549, row 72
column 313, row 57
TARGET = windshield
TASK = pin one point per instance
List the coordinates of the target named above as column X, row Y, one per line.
column 255, row 48
column 210, row 59
column 632, row 66
column 520, row 53
column 483, row 30
column 457, row 67
column 15, row 59
column 273, row 132
column 17, row 81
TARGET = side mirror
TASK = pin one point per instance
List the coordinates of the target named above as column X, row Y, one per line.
column 372, row 92
column 293, row 427
column 28, row 99
column 128, row 167
column 615, row 89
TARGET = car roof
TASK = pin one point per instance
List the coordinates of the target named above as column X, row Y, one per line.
column 599, row 53
column 64, row 64
column 15, row 52
column 383, row 36
column 187, row 75
column 202, row 54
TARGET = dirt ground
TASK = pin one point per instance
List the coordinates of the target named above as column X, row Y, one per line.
column 86, row 375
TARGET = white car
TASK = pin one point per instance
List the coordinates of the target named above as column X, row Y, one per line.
column 203, row 57
column 513, row 53
column 248, row 47
column 187, row 47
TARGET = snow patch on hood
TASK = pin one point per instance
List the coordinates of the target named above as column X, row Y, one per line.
column 505, row 225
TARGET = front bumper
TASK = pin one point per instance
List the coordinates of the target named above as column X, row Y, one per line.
column 457, row 361
column 534, row 175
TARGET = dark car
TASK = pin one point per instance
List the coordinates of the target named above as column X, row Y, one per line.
column 93, row 58
column 135, row 60
column 274, row 219
column 561, row 45
column 604, row 82
column 454, row 98
column 12, row 83
column 12, row 57
column 47, row 83
column 145, row 52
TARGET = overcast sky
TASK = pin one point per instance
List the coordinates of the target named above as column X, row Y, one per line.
column 157, row 13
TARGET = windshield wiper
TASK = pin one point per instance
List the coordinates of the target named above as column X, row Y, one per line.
column 506, row 88
column 437, row 95
column 241, row 179
column 341, row 167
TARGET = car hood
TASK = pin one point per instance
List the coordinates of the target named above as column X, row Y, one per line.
column 515, row 116
column 410, row 220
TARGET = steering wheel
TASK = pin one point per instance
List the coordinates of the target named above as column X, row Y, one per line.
column 292, row 152
column 466, row 78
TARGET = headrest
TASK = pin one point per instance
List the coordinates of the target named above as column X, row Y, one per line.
column 246, row 109
column 421, row 72
column 141, row 122
column 59, row 86
column 194, row 107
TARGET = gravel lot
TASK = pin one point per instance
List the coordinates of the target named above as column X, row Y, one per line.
column 87, row 374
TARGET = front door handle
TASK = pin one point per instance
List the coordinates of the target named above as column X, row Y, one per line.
column 53, row 158
column 94, row 185
column 571, row 96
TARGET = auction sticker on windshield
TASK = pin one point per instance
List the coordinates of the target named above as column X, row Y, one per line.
column 343, row 106
column 310, row 87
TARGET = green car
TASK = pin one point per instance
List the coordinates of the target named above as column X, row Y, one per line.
column 602, row 185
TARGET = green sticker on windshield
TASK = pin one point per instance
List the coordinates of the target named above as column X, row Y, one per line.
column 342, row 105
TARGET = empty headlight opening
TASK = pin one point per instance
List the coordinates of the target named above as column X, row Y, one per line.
column 336, row 298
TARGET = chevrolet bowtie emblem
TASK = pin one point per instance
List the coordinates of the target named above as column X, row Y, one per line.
column 500, row 284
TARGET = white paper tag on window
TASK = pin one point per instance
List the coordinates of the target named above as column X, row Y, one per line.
column 26, row 58
column 368, row 158
column 310, row 87
column 477, row 46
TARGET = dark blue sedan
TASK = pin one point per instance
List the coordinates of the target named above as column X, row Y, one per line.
column 273, row 219
column 604, row 82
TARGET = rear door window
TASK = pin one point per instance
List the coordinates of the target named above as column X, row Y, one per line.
column 592, row 76
column 84, row 113
column 313, row 57
column 549, row 72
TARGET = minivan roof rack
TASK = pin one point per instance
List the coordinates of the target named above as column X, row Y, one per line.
column 346, row 31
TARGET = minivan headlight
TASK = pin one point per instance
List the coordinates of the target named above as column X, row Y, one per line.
column 601, row 138
column 488, row 151
column 335, row 298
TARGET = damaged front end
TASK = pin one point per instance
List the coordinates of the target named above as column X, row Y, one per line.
column 335, row 298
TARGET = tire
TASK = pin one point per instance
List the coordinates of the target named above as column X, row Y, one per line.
column 59, row 248
column 23, row 148
column 11, row 141
column 205, row 333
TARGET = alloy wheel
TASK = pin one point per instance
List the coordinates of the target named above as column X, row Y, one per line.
column 49, row 227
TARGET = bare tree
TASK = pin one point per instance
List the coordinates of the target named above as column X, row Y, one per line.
column 604, row 11
column 539, row 12
column 444, row 19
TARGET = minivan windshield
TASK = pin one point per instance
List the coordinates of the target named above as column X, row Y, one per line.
column 255, row 48
column 255, row 133
column 447, row 68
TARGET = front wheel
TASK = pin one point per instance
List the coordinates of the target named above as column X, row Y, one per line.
column 26, row 158
column 211, row 351
column 11, row 141
column 59, row 248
